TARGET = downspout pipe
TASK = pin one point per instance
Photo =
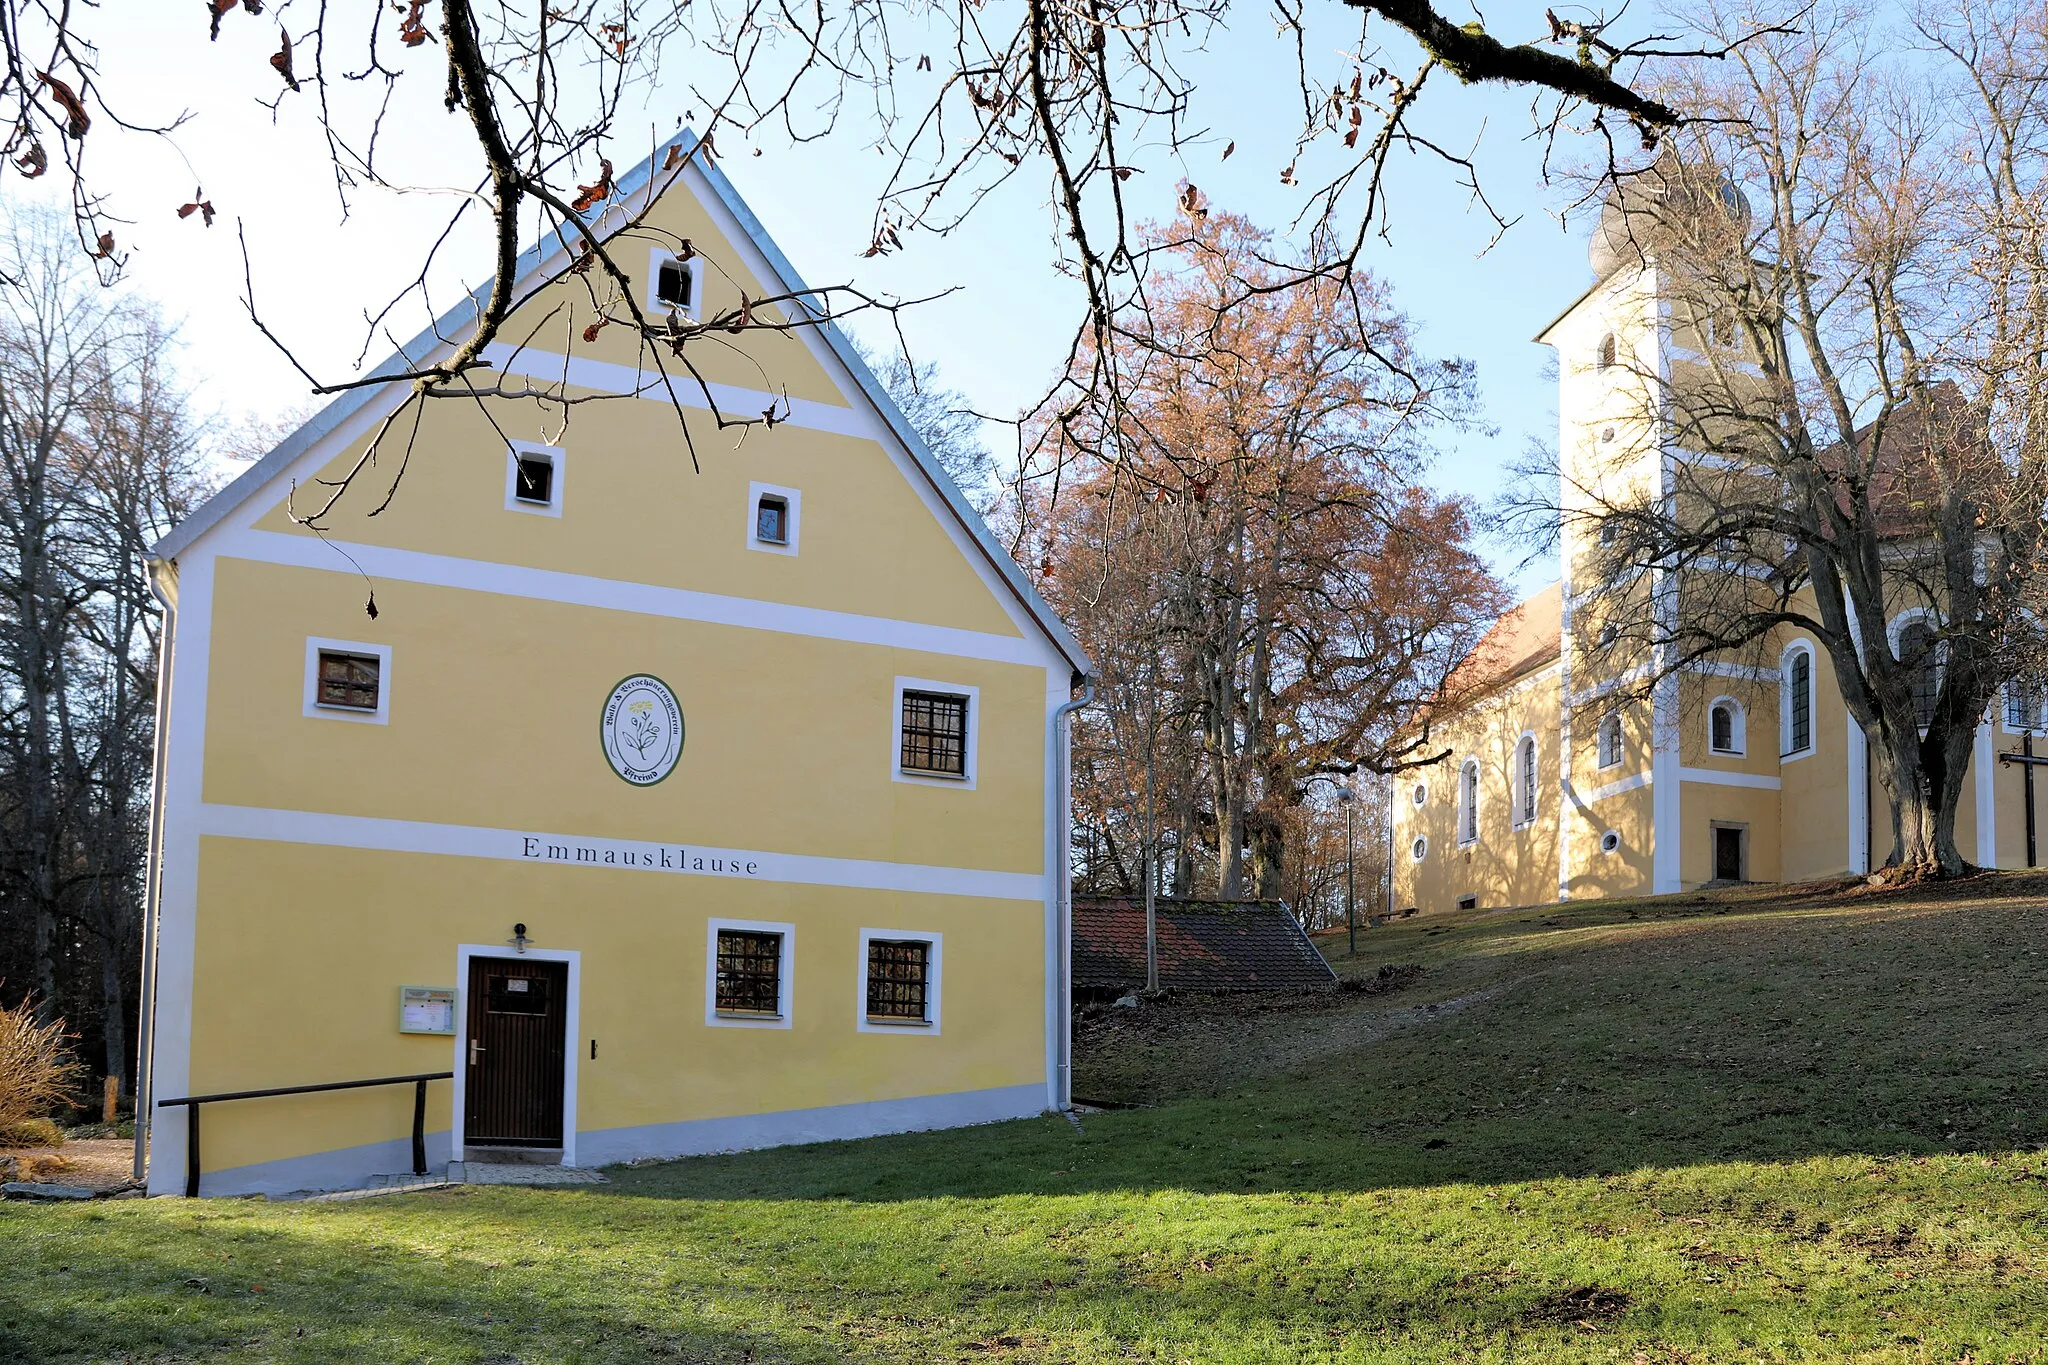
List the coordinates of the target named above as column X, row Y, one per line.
column 153, row 876
column 1063, row 1088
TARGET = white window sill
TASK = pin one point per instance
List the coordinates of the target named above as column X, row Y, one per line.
column 746, row 1014
column 890, row 1021
column 927, row 774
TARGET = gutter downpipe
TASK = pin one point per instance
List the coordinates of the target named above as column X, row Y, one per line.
column 154, row 877
column 1063, row 1088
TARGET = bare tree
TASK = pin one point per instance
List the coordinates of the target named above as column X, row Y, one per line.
column 1843, row 424
column 1086, row 95
column 96, row 460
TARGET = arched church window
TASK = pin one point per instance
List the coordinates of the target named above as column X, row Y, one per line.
column 1797, row 672
column 1920, row 653
column 1724, row 726
column 1525, row 781
column 1610, row 741
column 1468, row 802
column 1609, row 352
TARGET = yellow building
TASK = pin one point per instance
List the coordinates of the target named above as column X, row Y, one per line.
column 1746, row 769
column 669, row 811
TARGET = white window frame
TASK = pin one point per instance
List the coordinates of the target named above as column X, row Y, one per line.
column 785, row 973
column 555, row 456
column 1419, row 849
column 314, row 707
column 1468, row 803
column 2040, row 725
column 967, row 780
column 1786, row 753
column 1600, row 759
column 1524, row 782
column 934, row 963
column 1420, row 795
column 792, row 501
column 1738, row 728
column 694, row 268
column 1610, row 841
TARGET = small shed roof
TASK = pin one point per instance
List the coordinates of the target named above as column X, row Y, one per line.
column 1203, row 946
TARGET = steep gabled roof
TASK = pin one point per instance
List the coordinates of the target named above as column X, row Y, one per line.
column 1203, row 946
column 423, row 348
column 1523, row 641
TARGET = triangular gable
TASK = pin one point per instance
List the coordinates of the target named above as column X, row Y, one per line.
column 855, row 378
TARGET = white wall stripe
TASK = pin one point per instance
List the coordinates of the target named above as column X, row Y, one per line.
column 549, row 585
column 1714, row 777
column 1626, row 784
column 552, row 367
column 600, row 853
column 1983, row 759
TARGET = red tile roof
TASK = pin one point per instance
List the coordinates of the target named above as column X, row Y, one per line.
column 1203, row 946
column 1524, row 640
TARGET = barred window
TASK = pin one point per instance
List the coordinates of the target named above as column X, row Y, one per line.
column 935, row 733
column 749, row 972
column 899, row 980
column 348, row 680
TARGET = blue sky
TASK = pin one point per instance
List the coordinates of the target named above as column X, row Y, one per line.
column 998, row 338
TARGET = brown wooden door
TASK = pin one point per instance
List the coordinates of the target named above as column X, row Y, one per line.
column 518, row 1021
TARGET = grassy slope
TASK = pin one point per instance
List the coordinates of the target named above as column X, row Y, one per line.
column 1748, row 1127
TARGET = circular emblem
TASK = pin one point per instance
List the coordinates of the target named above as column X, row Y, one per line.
column 642, row 730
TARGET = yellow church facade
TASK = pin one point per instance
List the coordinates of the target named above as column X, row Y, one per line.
column 1734, row 770
column 664, row 809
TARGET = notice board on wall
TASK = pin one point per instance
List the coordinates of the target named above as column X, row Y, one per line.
column 426, row 1009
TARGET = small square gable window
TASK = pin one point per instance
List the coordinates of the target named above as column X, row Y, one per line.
column 350, row 680
column 346, row 680
column 673, row 284
column 773, row 518
column 533, row 478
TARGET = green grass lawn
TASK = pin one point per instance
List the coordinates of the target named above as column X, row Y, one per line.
column 1746, row 1127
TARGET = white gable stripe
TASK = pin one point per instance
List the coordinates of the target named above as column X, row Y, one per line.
column 681, row 604
column 599, row 852
column 603, row 376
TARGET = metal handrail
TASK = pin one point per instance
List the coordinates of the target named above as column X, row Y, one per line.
column 419, row 1114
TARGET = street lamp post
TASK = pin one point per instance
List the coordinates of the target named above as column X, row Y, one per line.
column 1348, row 799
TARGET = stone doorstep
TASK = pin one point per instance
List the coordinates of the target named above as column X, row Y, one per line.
column 458, row 1173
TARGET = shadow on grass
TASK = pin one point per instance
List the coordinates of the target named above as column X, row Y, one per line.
column 1657, row 1034
column 455, row 1277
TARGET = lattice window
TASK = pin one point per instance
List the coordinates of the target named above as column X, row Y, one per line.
column 2022, row 706
column 349, row 680
column 899, row 979
column 1799, row 737
column 1610, row 741
column 935, row 733
column 1920, row 652
column 749, row 972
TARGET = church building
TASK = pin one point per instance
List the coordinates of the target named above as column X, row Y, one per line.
column 653, row 810
column 1745, row 769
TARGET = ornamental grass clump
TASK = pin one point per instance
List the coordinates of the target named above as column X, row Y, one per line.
column 37, row 1070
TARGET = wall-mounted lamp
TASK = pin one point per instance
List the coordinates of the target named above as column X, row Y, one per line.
column 519, row 939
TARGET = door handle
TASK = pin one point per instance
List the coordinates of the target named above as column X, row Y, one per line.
column 474, row 1048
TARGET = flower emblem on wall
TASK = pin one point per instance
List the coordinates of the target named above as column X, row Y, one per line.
column 642, row 729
